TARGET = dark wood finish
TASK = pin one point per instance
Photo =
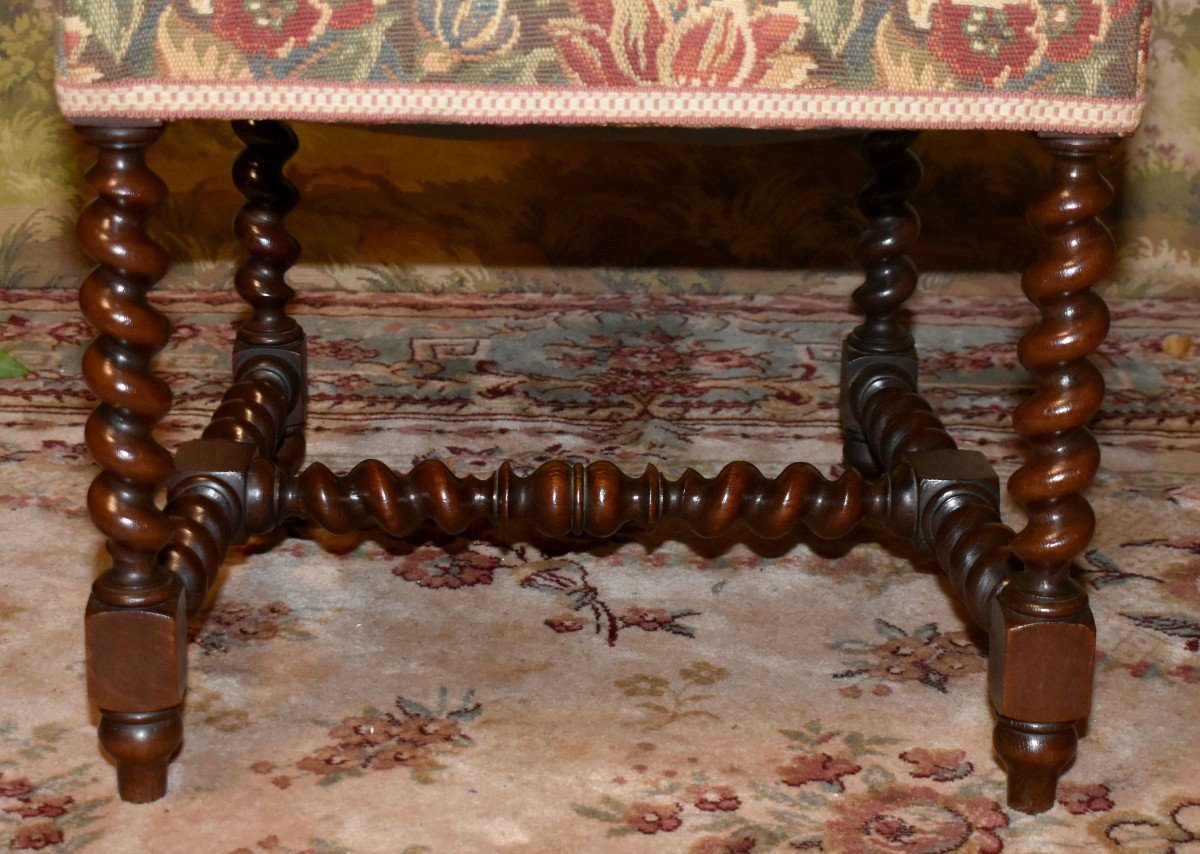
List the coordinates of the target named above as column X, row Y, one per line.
column 262, row 413
column 135, row 631
column 206, row 523
column 215, row 495
column 138, row 740
column 1031, row 751
column 1043, row 637
column 896, row 420
column 270, row 252
column 560, row 499
column 240, row 478
column 957, row 511
column 881, row 250
column 890, row 278
column 256, row 407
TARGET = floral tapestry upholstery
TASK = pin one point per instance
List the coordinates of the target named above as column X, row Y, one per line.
column 1050, row 65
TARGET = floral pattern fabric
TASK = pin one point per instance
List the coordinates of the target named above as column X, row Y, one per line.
column 1042, row 64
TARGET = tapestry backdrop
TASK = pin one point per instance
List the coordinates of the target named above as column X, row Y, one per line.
column 419, row 213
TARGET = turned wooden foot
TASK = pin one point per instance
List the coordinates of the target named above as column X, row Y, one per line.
column 1034, row 755
column 135, row 625
column 1043, row 640
column 141, row 744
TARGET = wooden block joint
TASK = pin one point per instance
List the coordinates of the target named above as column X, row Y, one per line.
column 1041, row 670
column 136, row 658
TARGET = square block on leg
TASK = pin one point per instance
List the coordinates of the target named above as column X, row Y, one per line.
column 136, row 657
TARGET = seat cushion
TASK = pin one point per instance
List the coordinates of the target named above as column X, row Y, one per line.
column 1048, row 65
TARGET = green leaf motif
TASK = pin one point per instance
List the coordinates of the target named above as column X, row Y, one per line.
column 113, row 23
column 11, row 367
column 835, row 21
column 353, row 58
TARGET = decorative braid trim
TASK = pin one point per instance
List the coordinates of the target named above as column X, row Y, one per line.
column 796, row 109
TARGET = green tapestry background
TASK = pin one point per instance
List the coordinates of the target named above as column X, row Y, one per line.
column 418, row 213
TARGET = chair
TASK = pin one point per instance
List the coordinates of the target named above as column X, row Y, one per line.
column 1071, row 71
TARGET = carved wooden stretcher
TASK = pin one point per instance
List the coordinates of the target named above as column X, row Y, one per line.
column 905, row 477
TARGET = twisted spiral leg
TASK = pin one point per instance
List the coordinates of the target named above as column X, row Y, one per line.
column 271, row 250
column 956, row 514
column 561, row 498
column 1043, row 636
column 254, row 409
column 215, row 501
column 892, row 228
column 135, row 623
column 260, row 419
column 270, row 253
column 896, row 420
column 890, row 279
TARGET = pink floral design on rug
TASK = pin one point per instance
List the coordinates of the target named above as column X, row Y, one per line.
column 926, row 655
column 411, row 736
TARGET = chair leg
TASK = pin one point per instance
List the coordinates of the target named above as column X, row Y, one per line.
column 1043, row 638
column 270, row 252
column 135, row 624
column 890, row 278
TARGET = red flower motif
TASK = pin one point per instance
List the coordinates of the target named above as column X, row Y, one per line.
column 714, row 798
column 360, row 732
column 401, row 755
column 648, row 619
column 269, row 27
column 823, row 768
column 917, row 819
column 566, row 623
column 352, row 15
column 42, row 806
column 1073, row 27
column 435, row 570
column 1121, row 8
column 35, row 837
column 1084, row 798
column 651, row 818
column 991, row 44
column 423, row 731
column 940, row 765
column 333, row 759
column 18, row 788
column 705, row 44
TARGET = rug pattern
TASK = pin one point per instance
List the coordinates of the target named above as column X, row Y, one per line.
column 655, row 693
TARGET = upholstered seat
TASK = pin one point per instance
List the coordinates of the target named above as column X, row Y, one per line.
column 1047, row 65
column 1071, row 70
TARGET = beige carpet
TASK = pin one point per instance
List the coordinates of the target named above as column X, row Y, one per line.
column 656, row 694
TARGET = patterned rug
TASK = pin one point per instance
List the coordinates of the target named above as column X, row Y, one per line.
column 363, row 694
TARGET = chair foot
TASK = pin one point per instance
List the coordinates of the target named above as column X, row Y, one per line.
column 141, row 744
column 1034, row 754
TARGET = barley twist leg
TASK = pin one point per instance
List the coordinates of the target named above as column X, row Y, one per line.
column 270, row 252
column 135, row 623
column 882, row 340
column 1042, row 634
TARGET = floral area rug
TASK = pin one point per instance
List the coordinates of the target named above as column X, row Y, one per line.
column 656, row 693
